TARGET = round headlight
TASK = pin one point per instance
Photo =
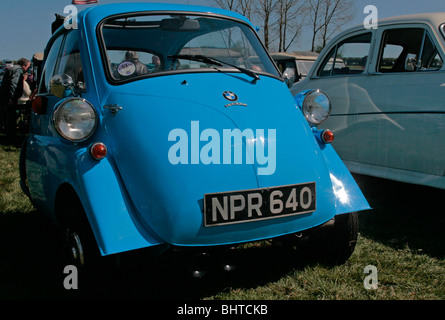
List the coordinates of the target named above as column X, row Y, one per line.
column 316, row 107
column 75, row 119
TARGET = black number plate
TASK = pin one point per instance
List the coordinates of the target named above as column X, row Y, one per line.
column 258, row 204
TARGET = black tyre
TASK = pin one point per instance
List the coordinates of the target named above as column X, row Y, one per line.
column 342, row 239
column 331, row 244
column 81, row 247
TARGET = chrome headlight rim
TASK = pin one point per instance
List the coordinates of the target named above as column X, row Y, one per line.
column 307, row 113
column 60, row 108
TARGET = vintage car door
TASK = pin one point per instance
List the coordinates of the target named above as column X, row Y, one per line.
column 346, row 87
column 408, row 87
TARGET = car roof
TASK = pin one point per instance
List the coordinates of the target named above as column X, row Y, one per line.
column 434, row 18
column 106, row 10
column 94, row 15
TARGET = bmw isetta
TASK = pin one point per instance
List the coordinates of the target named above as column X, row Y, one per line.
column 170, row 126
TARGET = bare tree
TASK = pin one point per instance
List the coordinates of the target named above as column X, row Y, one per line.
column 280, row 16
column 243, row 7
column 326, row 17
column 246, row 7
column 314, row 7
column 336, row 14
column 266, row 9
column 290, row 22
column 227, row 4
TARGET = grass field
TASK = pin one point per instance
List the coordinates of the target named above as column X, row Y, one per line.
column 403, row 237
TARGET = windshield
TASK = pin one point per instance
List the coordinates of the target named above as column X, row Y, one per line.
column 152, row 45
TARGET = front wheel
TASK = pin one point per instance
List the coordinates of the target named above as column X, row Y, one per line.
column 332, row 243
column 341, row 239
column 81, row 247
column 80, row 244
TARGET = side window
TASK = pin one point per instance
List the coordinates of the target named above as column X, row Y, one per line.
column 50, row 63
column 284, row 64
column 408, row 50
column 69, row 62
column 430, row 58
column 347, row 57
column 63, row 57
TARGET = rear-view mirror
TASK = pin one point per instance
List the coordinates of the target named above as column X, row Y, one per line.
column 180, row 25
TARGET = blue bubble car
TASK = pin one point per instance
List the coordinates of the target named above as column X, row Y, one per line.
column 169, row 126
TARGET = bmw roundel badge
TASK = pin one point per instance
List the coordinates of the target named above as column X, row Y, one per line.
column 229, row 95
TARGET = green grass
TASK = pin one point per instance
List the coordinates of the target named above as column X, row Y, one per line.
column 402, row 275
column 402, row 236
column 11, row 196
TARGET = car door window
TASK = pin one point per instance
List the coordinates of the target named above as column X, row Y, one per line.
column 63, row 58
column 69, row 62
column 430, row 58
column 50, row 63
column 285, row 64
column 348, row 57
column 304, row 67
column 408, row 50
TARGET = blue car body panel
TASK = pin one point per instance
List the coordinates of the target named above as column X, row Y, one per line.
column 136, row 197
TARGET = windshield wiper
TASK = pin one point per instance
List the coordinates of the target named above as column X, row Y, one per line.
column 214, row 61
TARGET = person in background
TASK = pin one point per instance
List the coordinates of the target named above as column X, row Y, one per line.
column 156, row 61
column 11, row 90
column 24, row 105
column 26, row 92
column 141, row 68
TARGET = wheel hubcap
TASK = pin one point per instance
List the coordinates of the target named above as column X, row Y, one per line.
column 77, row 252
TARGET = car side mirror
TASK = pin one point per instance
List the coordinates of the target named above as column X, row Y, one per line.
column 289, row 76
column 411, row 62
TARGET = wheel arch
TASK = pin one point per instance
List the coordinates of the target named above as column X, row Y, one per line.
column 68, row 208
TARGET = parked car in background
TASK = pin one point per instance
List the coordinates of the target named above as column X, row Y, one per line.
column 388, row 98
column 162, row 144
column 300, row 61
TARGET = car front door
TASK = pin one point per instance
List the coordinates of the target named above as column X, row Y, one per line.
column 343, row 74
column 409, row 92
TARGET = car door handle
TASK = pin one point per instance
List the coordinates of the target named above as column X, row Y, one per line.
column 375, row 73
column 114, row 108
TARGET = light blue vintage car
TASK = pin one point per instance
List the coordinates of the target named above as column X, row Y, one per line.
column 169, row 126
